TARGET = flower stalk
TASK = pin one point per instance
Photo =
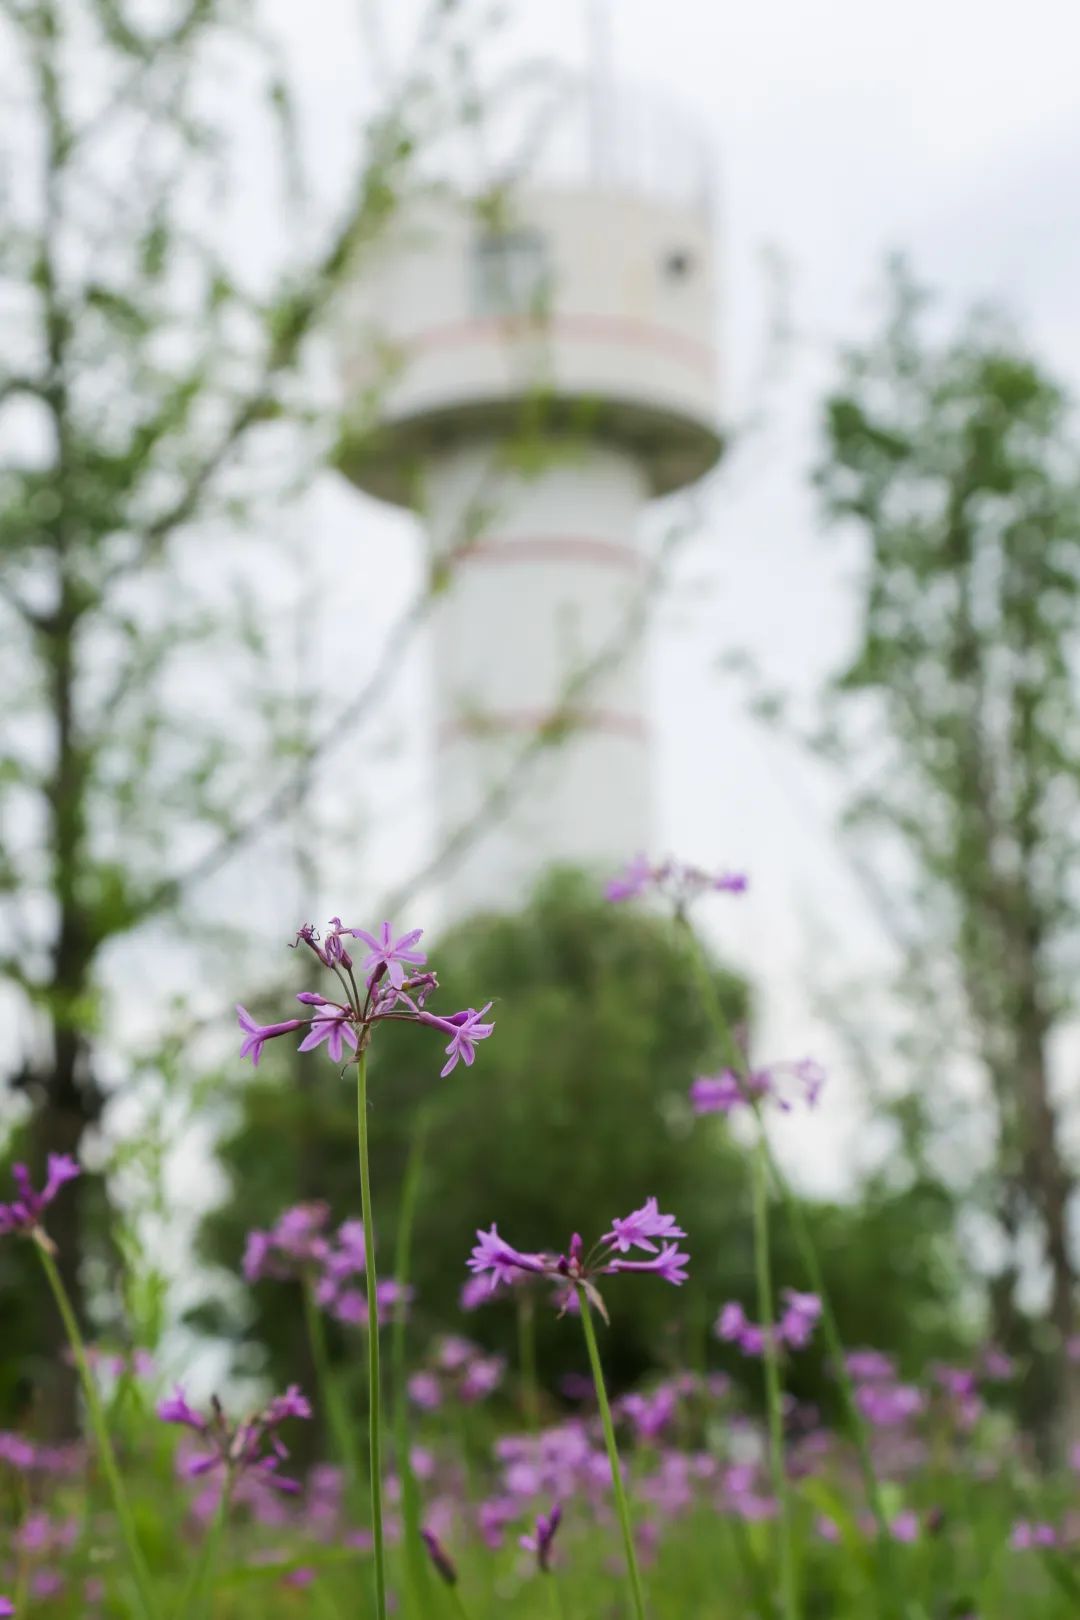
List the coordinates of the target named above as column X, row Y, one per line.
column 773, row 1394
column 374, row 1381
column 198, row 1603
column 622, row 1505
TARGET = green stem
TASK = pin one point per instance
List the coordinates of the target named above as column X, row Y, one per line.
column 526, row 1326
column 457, row 1603
column 140, row 1574
column 555, row 1601
column 622, row 1506
column 808, row 1254
column 330, row 1388
column 374, row 1396
column 194, row 1604
column 773, row 1392
column 417, row 1572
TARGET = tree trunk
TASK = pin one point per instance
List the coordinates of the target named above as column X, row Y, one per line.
column 58, row 1126
column 1050, row 1189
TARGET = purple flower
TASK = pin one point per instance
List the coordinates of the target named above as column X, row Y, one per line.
column 640, row 1226
column 785, row 1083
column 6, row 1606
column 258, row 1034
column 1026, row 1535
column 716, row 1093
column 540, row 1542
column 733, row 1326
column 731, row 883
column 476, row 1291
column 631, row 882
column 453, row 1353
column 294, row 1243
column 390, row 994
column 670, row 1264
column 439, row 1556
column 673, row 880
column 482, row 1378
column 493, row 1515
column 333, row 1028
column 492, row 1257
column 889, row 1405
column 392, row 1299
column 467, row 1030
column 177, row 1410
column 389, row 955
column 651, row 1414
column 43, row 1536
column 249, row 1450
column 870, row 1366
column 17, row 1452
column 293, row 1404
column 333, row 950
column 905, row 1526
column 997, row 1366
column 794, row 1329
column 349, row 1306
column 425, row 1391
column 799, row 1318
column 23, row 1214
column 351, row 1244
column 257, row 1250
column 731, row 1321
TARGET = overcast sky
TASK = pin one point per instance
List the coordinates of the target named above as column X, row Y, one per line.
column 840, row 132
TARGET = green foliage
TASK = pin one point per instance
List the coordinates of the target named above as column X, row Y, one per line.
column 956, row 460
column 142, row 369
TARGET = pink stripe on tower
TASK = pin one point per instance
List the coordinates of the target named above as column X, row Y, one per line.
column 608, row 329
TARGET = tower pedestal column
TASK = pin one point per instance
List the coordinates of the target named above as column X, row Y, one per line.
column 535, row 653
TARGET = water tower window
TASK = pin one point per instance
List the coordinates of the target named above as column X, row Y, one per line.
column 511, row 273
column 678, row 263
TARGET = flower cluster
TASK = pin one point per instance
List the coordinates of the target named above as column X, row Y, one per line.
column 117, row 1364
column 301, row 1245
column 458, row 1370
column 1027, row 1535
column 493, row 1258
column 391, row 991
column 649, row 1416
column 673, row 880
column 783, row 1083
column 230, row 1451
column 793, row 1331
column 296, row 1242
column 884, row 1401
column 23, row 1456
column 23, row 1214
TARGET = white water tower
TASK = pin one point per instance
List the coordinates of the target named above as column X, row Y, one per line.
column 552, row 369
